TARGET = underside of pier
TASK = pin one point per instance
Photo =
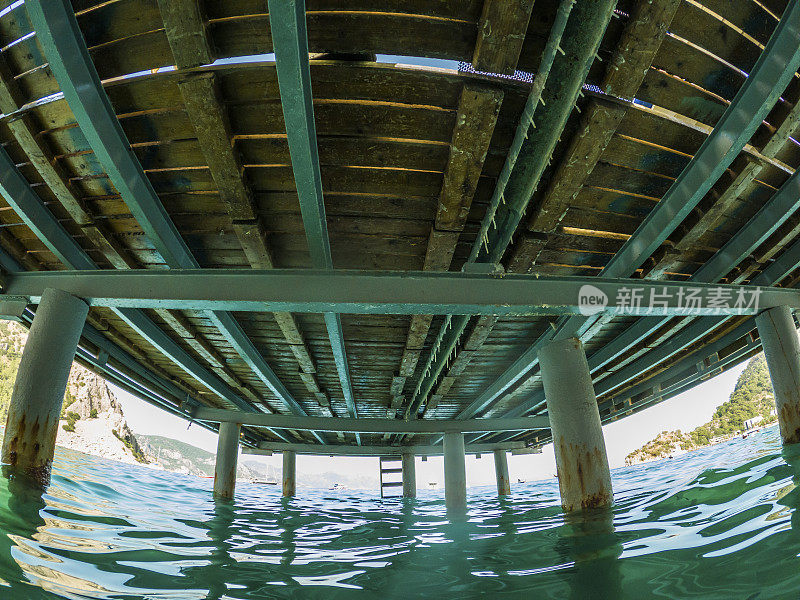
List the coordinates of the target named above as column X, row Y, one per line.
column 375, row 178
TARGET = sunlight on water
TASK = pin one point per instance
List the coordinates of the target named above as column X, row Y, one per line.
column 717, row 523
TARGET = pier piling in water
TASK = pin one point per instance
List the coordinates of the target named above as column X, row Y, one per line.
column 227, row 455
column 584, row 479
column 778, row 335
column 289, row 470
column 409, row 476
column 33, row 416
column 455, row 472
column 501, row 472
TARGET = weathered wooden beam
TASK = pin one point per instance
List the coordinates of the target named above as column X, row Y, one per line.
column 186, row 33
column 476, row 116
column 558, row 82
column 478, row 107
column 632, row 58
column 501, row 32
column 42, row 159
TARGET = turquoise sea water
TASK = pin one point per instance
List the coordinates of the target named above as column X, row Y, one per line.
column 717, row 523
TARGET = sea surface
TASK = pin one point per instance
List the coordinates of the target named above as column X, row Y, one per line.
column 721, row 522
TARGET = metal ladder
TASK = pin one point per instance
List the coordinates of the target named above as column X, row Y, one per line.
column 391, row 465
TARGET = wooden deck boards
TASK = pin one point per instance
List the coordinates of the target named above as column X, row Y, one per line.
column 409, row 158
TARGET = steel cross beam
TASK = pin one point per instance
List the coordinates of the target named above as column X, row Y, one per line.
column 390, row 292
column 770, row 76
column 340, row 450
column 430, row 426
column 290, row 42
column 58, row 32
column 786, row 263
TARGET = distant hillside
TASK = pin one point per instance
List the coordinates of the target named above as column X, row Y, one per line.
column 174, row 455
column 751, row 397
column 181, row 457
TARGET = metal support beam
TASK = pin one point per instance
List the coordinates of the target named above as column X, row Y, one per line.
column 778, row 335
column 785, row 264
column 584, row 479
column 368, row 425
column 59, row 34
column 501, row 472
column 124, row 370
column 33, row 415
column 227, row 454
column 268, row 448
column 455, row 472
column 409, row 476
column 289, row 473
column 290, row 43
column 380, row 292
column 769, row 77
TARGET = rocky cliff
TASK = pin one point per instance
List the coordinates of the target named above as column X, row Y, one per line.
column 100, row 427
column 92, row 418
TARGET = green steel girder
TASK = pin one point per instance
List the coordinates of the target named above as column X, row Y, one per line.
column 34, row 213
column 580, row 42
column 579, row 30
column 270, row 448
column 774, row 69
column 390, row 292
column 419, row 426
column 63, row 44
column 290, row 43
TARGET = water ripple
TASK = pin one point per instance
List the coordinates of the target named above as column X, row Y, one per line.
column 716, row 523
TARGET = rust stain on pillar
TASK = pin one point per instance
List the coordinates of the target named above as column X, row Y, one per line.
column 782, row 350
column 584, row 479
column 33, row 416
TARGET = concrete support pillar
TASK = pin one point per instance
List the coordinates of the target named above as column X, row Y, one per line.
column 409, row 476
column 289, row 480
column 455, row 472
column 33, row 415
column 583, row 474
column 227, row 456
column 782, row 350
column 501, row 472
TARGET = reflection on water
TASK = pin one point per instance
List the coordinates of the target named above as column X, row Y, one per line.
column 718, row 523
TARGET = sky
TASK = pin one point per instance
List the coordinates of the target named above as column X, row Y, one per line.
column 685, row 412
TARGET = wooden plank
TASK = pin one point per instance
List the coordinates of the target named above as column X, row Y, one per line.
column 501, row 32
column 727, row 193
column 476, row 117
column 640, row 41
